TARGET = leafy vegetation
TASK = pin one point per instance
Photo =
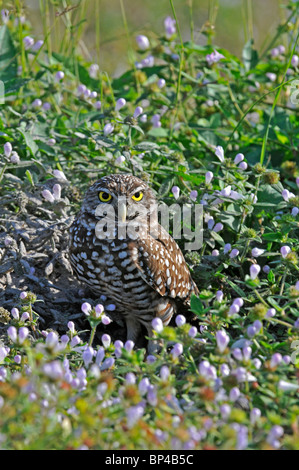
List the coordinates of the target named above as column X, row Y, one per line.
column 202, row 127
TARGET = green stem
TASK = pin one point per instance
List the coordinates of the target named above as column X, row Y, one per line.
column 180, row 68
column 3, row 171
column 92, row 335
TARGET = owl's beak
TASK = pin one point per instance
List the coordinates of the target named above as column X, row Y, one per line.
column 122, row 211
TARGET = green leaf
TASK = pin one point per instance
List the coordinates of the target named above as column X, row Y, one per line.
column 29, row 177
column 196, row 305
column 249, row 56
column 8, row 61
column 33, row 147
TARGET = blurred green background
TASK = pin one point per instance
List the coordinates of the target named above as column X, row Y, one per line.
column 103, row 35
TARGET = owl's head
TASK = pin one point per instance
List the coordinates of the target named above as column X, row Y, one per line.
column 125, row 195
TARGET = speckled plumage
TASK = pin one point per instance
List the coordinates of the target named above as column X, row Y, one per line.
column 145, row 276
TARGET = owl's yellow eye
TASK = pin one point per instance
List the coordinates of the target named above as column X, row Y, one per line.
column 137, row 196
column 104, row 197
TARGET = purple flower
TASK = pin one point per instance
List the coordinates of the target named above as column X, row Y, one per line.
column 175, row 191
column 3, row 353
column 192, row 331
column 247, row 352
column 272, row 76
column 120, row 160
column 274, row 52
column 87, row 355
column 28, row 42
column 255, row 415
column 222, row 339
column 257, row 325
column 225, row 410
column 25, row 316
column 38, row 45
column 23, row 295
column 137, row 112
column 14, row 158
column 275, row 360
column 57, row 191
column 237, row 353
column 134, row 413
column 100, row 355
column 71, row 326
column 234, row 308
column 257, row 252
column 23, row 333
column 106, row 340
column 148, row 61
column 86, row 308
column 108, row 129
column 219, row 152
column 53, row 370
column 169, row 25
column 59, row 76
column 295, row 60
column 285, row 250
column 129, row 345
column 180, row 320
column 193, row 195
column 121, row 102
column 238, row 301
column 7, row 149
column 208, row 177
column 217, row 227
column 286, row 194
column 156, row 120
column 234, row 253
column 48, row 195
column 243, row 166
column 106, row 320
column 164, row 373
column 251, row 331
column 93, row 70
column 270, row 313
column 130, row 378
column 157, row 324
column 275, row 433
column 99, row 309
column 177, row 350
column 225, row 370
column 214, row 57
column 142, row 42
column 287, row 386
column 37, row 103
column 238, row 158
column 254, row 271
column 144, row 385
column 161, row 83
column 234, row 394
column 75, row 341
column 219, row 295
column 15, row 313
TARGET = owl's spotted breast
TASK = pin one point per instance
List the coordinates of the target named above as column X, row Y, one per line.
column 145, row 276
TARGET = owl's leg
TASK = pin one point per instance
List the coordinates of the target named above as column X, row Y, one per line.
column 133, row 328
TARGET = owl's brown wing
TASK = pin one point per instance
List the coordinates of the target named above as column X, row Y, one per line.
column 163, row 267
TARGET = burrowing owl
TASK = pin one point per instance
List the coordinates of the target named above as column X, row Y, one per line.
column 120, row 250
